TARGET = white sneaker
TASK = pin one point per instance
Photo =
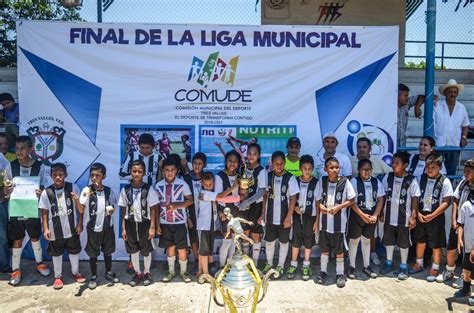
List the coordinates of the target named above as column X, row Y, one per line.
column 444, row 276
column 375, row 259
column 457, row 284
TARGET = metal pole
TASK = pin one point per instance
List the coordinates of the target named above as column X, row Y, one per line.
column 99, row 11
column 430, row 67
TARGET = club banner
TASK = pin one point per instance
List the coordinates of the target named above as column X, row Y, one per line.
column 87, row 91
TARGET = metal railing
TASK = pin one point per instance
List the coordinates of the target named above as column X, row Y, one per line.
column 443, row 57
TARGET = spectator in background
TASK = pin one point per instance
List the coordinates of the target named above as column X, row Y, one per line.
column 4, row 148
column 330, row 143
column 10, row 107
column 451, row 123
column 364, row 149
column 405, row 103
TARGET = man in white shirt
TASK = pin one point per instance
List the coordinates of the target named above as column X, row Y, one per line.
column 330, row 143
column 451, row 123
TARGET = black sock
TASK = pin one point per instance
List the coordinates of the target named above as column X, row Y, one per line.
column 93, row 264
column 108, row 262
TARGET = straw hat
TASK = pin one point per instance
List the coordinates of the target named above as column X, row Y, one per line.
column 449, row 84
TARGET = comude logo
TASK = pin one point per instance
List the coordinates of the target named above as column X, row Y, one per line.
column 47, row 141
column 213, row 70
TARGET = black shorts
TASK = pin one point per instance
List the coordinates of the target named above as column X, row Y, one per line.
column 58, row 246
column 173, row 235
column 192, row 232
column 274, row 232
column 303, row 234
column 206, row 242
column 466, row 263
column 97, row 241
column 452, row 240
column 432, row 233
column 396, row 235
column 253, row 214
column 334, row 242
column 357, row 227
column 137, row 237
column 18, row 227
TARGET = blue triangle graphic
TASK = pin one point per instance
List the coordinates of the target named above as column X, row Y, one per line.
column 78, row 96
column 335, row 101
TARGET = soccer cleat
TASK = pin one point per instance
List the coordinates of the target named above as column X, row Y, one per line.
column 136, row 278
column 291, row 272
column 43, row 269
column 457, row 284
column 168, row 277
column 79, row 278
column 402, row 274
column 130, row 269
column 387, row 268
column 432, row 275
column 352, row 273
column 111, row 277
column 185, row 277
column 416, row 268
column 321, row 279
column 444, row 276
column 374, row 258
column 58, row 283
column 307, row 273
column 266, row 268
column 147, row 279
column 15, row 278
column 340, row 281
column 92, row 282
column 280, row 271
column 369, row 272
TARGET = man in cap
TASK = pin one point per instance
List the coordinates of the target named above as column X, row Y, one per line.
column 330, row 143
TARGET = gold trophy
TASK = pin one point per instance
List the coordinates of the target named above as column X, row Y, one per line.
column 245, row 181
column 239, row 282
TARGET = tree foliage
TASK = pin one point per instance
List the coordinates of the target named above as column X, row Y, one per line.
column 12, row 11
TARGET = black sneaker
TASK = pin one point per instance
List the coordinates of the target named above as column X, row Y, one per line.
column 340, row 281
column 352, row 273
column 369, row 272
column 111, row 277
column 147, row 279
column 321, row 279
column 92, row 282
column 135, row 279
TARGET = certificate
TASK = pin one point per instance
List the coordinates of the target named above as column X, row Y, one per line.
column 23, row 200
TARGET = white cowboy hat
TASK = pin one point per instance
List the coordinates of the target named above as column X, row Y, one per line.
column 449, row 84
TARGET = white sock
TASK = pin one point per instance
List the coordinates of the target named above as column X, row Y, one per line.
column 404, row 255
column 147, row 263
column 171, row 261
column 136, row 262
column 246, row 248
column 257, row 246
column 435, row 266
column 294, row 263
column 58, row 266
column 224, row 251
column 37, row 251
column 324, row 262
column 390, row 252
column 16, row 258
column 353, row 244
column 340, row 266
column 74, row 259
column 183, row 266
column 283, row 253
column 270, row 251
column 419, row 262
column 306, row 263
column 365, row 251
column 450, row 268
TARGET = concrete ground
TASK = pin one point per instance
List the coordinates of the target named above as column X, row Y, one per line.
column 36, row 294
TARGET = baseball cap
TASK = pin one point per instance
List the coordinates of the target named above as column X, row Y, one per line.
column 293, row 140
column 330, row 135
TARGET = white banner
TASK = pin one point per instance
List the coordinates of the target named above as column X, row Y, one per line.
column 87, row 91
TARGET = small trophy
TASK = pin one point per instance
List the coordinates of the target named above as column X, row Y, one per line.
column 245, row 181
column 109, row 210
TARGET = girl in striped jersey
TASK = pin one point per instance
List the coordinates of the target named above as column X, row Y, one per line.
column 364, row 216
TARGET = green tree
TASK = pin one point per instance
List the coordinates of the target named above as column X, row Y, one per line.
column 422, row 65
column 11, row 11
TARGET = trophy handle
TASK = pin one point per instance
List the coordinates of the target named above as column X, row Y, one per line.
column 265, row 281
column 209, row 279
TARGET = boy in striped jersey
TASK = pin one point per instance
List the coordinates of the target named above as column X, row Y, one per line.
column 400, row 213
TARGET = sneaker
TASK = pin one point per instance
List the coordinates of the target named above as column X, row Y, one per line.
column 291, row 272
column 352, row 273
column 43, row 269
column 92, row 282
column 374, row 258
column 168, row 277
column 147, row 279
column 135, row 279
column 416, row 268
column 79, row 278
column 445, row 276
column 307, row 273
column 130, row 269
column 387, row 268
column 432, row 275
column 185, row 277
column 369, row 272
column 58, row 283
column 15, row 278
column 457, row 284
column 461, row 293
column 321, row 279
column 403, row 274
column 266, row 268
column 280, row 270
column 111, row 277
column 340, row 281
